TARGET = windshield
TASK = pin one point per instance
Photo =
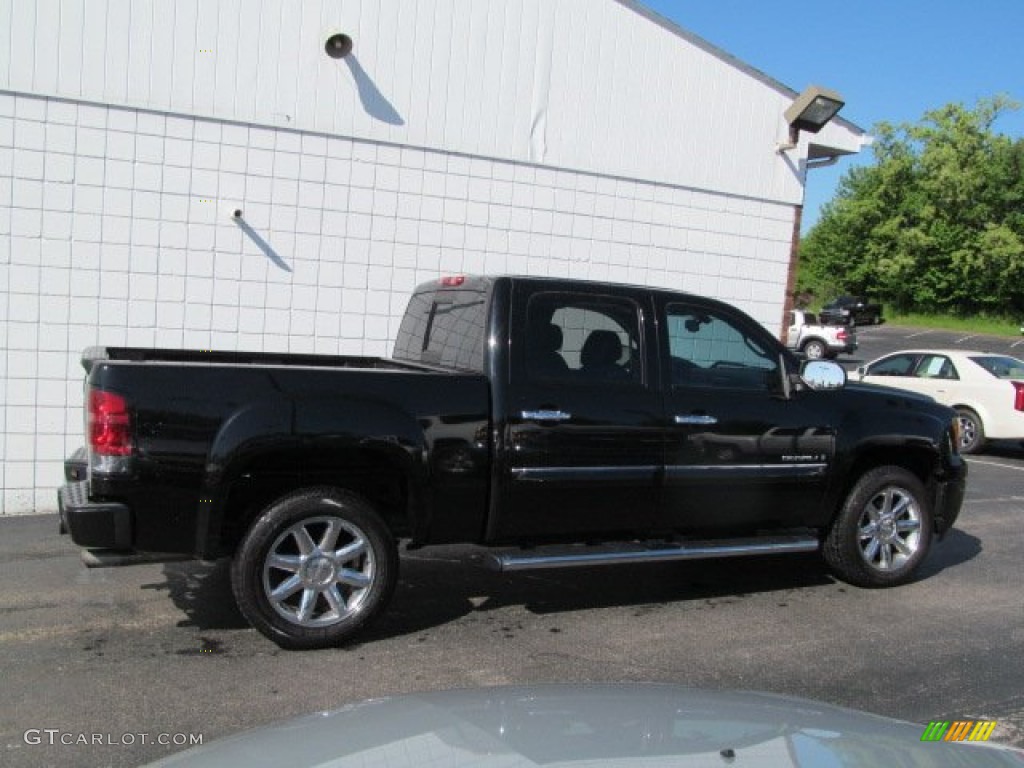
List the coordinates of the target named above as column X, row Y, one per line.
column 1000, row 366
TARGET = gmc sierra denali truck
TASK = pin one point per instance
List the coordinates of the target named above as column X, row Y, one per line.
column 556, row 422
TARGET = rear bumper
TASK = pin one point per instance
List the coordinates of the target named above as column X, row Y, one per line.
column 94, row 524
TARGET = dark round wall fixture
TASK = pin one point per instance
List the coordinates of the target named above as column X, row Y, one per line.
column 338, row 46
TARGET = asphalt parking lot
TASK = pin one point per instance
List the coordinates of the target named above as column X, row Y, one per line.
column 878, row 340
column 131, row 654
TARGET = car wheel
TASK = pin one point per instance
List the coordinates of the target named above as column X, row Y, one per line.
column 314, row 568
column 814, row 349
column 972, row 431
column 883, row 531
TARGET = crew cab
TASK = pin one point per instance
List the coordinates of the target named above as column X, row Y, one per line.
column 555, row 422
column 816, row 340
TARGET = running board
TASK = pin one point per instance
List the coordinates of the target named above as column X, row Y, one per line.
column 576, row 555
column 114, row 558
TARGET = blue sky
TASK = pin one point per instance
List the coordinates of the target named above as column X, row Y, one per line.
column 891, row 60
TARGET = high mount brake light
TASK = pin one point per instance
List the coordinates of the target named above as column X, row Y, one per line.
column 453, row 281
column 110, row 424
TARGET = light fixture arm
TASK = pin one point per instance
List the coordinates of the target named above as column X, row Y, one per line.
column 794, row 139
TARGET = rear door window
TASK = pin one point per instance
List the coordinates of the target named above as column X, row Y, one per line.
column 1000, row 366
column 583, row 339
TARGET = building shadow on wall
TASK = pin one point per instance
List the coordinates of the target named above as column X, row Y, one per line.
column 374, row 102
column 798, row 169
column 262, row 244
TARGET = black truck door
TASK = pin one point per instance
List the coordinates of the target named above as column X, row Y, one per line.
column 583, row 444
column 739, row 453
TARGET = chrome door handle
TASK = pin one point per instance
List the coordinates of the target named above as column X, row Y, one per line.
column 546, row 415
column 696, row 418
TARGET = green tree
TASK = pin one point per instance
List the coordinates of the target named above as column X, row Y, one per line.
column 936, row 223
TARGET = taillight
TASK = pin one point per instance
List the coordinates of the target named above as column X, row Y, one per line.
column 1018, row 396
column 110, row 424
column 841, row 335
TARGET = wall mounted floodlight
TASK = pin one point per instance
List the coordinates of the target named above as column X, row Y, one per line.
column 810, row 112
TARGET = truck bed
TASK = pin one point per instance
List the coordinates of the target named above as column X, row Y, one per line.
column 92, row 355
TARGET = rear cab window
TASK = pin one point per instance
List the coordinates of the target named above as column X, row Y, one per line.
column 445, row 326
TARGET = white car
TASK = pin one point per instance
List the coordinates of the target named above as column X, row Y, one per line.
column 986, row 389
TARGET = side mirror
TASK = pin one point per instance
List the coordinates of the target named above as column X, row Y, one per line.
column 823, row 374
column 862, row 371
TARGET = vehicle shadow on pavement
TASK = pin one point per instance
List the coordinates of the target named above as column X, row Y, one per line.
column 438, row 587
column 433, row 592
column 202, row 591
column 957, row 548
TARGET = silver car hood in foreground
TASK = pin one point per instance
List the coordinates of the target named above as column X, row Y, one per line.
column 592, row 725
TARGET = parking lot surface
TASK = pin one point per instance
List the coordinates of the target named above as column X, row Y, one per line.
column 131, row 654
column 878, row 340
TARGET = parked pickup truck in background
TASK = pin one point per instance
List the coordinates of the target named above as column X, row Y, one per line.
column 851, row 310
column 556, row 422
column 815, row 340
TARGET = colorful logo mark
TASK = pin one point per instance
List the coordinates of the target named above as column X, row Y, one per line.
column 958, row 730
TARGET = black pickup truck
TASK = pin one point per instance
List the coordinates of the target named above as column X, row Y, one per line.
column 556, row 422
column 851, row 310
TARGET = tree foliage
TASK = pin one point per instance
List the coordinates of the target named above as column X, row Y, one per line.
column 936, row 224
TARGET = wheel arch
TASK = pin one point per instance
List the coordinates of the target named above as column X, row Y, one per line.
column 384, row 478
column 274, row 447
column 919, row 459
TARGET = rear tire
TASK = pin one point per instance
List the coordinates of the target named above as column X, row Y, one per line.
column 314, row 568
column 883, row 531
column 972, row 431
column 814, row 349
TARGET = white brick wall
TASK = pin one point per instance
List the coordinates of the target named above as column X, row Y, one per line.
column 116, row 229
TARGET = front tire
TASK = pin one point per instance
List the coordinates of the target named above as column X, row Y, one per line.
column 883, row 531
column 972, row 431
column 314, row 568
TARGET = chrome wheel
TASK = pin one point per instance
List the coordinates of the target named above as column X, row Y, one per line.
column 814, row 350
column 972, row 434
column 889, row 529
column 319, row 571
